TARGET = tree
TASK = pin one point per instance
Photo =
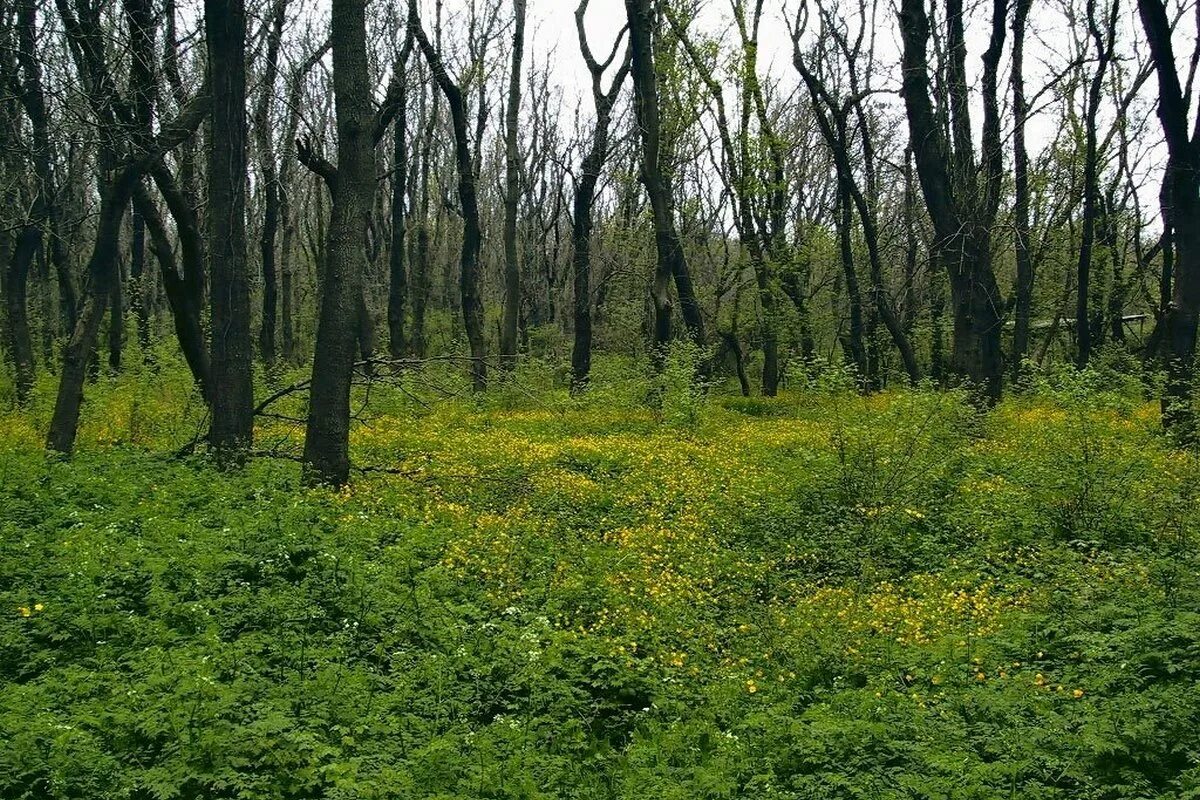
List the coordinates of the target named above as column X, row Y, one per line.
column 472, row 304
column 512, row 194
column 232, row 426
column 327, row 435
column 271, row 189
column 1181, row 217
column 1104, row 42
column 671, row 262
column 832, row 119
column 398, row 257
column 126, row 154
column 585, row 192
column 1023, row 290
column 961, row 196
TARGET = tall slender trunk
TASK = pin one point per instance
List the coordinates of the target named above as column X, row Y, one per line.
column 854, row 342
column 1023, row 301
column 671, row 262
column 1091, row 190
column 585, row 197
column 16, row 287
column 472, row 239
column 139, row 281
column 102, row 266
column 233, row 394
column 327, row 436
column 270, row 179
column 116, row 317
column 398, row 256
column 1180, row 199
column 512, row 195
column 183, row 295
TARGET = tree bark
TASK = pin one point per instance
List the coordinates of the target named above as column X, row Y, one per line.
column 231, row 353
column 1181, row 216
column 512, row 195
column 398, row 256
column 671, row 262
column 1023, row 291
column 472, row 304
column 271, row 191
column 961, row 197
column 327, row 437
column 585, row 196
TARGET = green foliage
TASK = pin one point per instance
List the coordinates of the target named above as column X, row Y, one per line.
column 821, row 595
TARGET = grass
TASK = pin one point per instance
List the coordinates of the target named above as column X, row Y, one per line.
column 818, row 596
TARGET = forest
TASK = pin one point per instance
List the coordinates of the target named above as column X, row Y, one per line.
column 599, row 399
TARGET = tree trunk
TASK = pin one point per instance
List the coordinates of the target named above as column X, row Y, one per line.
column 102, row 267
column 16, row 286
column 327, row 437
column 585, row 198
column 1023, row 293
column 472, row 304
column 1181, row 217
column 398, row 256
column 182, row 295
column 233, row 396
column 962, row 197
column 671, row 263
column 855, row 345
column 270, row 179
column 512, row 195
column 1091, row 190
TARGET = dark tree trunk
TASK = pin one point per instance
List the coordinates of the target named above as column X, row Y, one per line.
column 962, row 197
column 116, row 318
column 139, row 282
column 1181, row 217
column 398, row 257
column 102, row 267
column 287, row 190
column 16, row 286
column 670, row 257
column 831, row 119
column 183, row 295
column 327, row 438
column 45, row 206
column 854, row 342
column 422, row 272
column 512, row 195
column 585, row 198
column 1023, row 293
column 1091, row 188
column 233, row 395
column 271, row 192
column 911, row 248
column 121, row 177
column 472, row 304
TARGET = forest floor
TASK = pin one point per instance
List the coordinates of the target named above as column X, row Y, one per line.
column 822, row 595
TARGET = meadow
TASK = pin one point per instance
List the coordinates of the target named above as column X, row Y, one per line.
column 525, row 594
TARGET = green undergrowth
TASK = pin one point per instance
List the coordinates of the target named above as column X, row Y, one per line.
column 648, row 591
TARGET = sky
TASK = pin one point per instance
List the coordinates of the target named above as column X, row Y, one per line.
column 551, row 37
